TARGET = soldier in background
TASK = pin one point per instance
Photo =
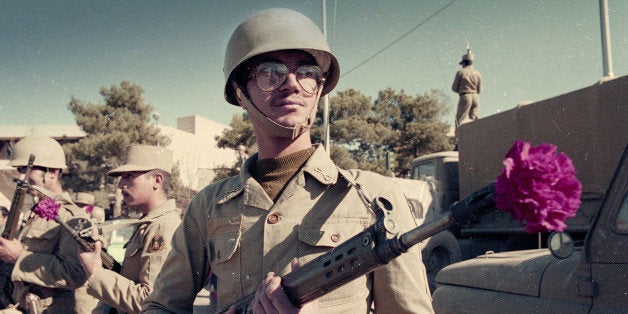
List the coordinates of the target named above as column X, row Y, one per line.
column 86, row 201
column 467, row 84
column 46, row 270
column 144, row 181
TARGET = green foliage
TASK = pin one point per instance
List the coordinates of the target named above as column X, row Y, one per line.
column 362, row 131
column 123, row 119
column 415, row 123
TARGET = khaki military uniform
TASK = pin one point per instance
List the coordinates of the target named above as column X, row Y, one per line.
column 468, row 84
column 234, row 229
column 145, row 253
column 49, row 267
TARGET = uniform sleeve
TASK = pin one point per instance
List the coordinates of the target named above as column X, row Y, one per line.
column 58, row 269
column 184, row 272
column 479, row 82
column 401, row 285
column 123, row 293
column 456, row 85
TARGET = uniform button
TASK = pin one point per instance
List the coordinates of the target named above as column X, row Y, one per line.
column 335, row 237
column 273, row 218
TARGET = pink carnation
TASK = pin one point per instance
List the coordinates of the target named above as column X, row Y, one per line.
column 538, row 187
column 89, row 209
column 47, row 209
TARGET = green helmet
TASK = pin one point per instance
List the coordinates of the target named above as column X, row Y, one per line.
column 278, row 29
column 48, row 153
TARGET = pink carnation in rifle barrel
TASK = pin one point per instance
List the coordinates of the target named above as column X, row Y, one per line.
column 89, row 209
column 47, row 209
column 538, row 187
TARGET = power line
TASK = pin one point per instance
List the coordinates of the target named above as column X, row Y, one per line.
column 398, row 39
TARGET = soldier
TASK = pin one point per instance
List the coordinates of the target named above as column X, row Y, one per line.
column 144, row 181
column 86, row 201
column 46, row 270
column 290, row 200
column 467, row 84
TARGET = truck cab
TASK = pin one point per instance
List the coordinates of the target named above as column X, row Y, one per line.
column 564, row 278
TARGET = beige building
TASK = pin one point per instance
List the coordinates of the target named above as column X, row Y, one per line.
column 193, row 143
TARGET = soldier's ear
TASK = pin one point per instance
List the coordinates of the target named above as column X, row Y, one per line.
column 239, row 95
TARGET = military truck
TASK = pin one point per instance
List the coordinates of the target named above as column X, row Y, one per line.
column 566, row 278
column 589, row 125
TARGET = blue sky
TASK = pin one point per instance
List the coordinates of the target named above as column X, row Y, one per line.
column 525, row 49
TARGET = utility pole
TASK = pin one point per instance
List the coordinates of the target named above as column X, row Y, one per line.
column 326, row 97
column 607, row 59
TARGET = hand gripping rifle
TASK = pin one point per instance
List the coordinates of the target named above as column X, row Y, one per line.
column 10, row 233
column 373, row 247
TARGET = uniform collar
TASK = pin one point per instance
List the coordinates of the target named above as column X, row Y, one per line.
column 319, row 166
column 167, row 206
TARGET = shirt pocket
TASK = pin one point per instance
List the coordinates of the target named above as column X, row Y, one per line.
column 331, row 233
column 316, row 241
column 42, row 236
column 223, row 242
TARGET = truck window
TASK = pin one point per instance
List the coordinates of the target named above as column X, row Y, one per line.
column 427, row 171
column 621, row 223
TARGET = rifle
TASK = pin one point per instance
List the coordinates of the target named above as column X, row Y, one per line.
column 373, row 247
column 78, row 224
column 10, row 233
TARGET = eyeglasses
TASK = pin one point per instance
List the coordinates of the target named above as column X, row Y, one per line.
column 270, row 75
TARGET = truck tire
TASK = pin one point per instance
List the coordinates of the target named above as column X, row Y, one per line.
column 440, row 250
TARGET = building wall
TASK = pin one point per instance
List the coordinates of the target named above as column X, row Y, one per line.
column 193, row 144
column 195, row 150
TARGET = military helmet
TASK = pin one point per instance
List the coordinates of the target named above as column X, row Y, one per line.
column 467, row 56
column 278, row 29
column 48, row 153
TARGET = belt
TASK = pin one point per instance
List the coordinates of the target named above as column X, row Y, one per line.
column 464, row 93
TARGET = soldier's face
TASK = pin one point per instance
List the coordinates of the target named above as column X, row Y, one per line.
column 36, row 177
column 136, row 189
column 289, row 104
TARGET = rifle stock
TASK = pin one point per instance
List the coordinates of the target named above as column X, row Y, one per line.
column 108, row 261
column 373, row 247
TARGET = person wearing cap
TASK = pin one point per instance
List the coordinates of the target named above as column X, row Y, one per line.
column 46, row 273
column 468, row 85
column 290, row 203
column 144, row 181
column 86, row 202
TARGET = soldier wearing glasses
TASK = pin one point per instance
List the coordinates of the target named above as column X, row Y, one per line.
column 290, row 203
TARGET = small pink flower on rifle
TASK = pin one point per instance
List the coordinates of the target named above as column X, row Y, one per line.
column 89, row 209
column 47, row 209
column 538, row 187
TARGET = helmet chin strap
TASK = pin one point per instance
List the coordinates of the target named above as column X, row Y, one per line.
column 272, row 126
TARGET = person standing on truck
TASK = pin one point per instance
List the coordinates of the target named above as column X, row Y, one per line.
column 291, row 203
column 468, row 85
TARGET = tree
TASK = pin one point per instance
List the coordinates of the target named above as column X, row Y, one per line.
column 416, row 125
column 362, row 132
column 123, row 119
column 239, row 137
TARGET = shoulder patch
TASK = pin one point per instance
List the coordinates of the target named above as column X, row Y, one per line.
column 157, row 244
